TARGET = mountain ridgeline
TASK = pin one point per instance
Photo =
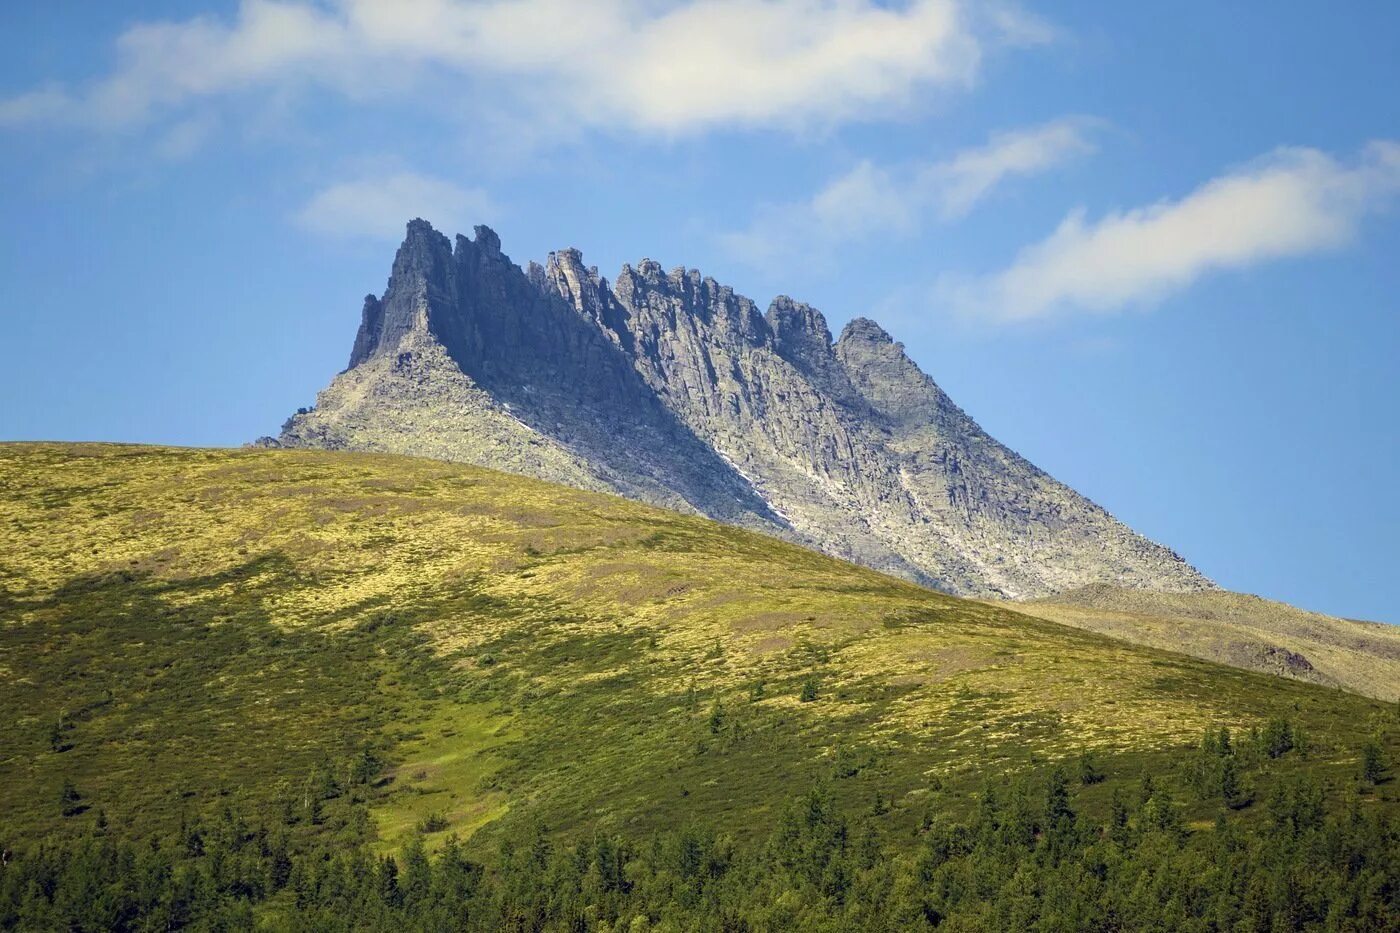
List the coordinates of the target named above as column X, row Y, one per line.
column 669, row 388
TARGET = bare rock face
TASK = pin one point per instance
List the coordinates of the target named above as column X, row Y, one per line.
column 467, row 358
column 670, row 388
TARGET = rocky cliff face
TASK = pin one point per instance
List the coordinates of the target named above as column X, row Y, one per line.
column 670, row 388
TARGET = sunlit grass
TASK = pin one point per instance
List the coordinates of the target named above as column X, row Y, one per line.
column 216, row 623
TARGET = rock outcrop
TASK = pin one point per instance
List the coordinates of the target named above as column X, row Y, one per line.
column 670, row 388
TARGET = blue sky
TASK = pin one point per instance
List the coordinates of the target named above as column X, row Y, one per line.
column 1153, row 248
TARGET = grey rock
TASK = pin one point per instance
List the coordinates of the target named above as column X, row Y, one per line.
column 670, row 388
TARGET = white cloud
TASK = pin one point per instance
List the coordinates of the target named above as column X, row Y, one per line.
column 377, row 208
column 1290, row 203
column 662, row 66
column 872, row 198
column 1014, row 26
column 969, row 176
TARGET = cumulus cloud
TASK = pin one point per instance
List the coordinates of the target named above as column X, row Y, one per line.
column 1292, row 202
column 376, row 208
column 899, row 199
column 669, row 66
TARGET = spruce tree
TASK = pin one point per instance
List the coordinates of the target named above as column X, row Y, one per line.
column 1373, row 762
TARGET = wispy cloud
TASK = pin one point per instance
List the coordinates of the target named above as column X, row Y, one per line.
column 663, row 67
column 37, row 106
column 1290, row 203
column 957, row 185
column 185, row 138
column 900, row 199
column 376, row 207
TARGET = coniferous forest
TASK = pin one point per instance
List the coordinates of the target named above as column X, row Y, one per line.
column 1023, row 856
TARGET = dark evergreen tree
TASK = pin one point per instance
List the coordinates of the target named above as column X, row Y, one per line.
column 1373, row 764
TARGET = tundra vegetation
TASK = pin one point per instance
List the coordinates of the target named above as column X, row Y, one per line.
column 315, row 690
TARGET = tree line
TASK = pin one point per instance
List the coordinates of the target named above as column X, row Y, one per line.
column 1023, row 857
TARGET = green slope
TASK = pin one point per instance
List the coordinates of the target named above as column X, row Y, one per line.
column 231, row 679
column 185, row 628
column 1239, row 630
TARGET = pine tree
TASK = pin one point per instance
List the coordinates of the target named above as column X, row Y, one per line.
column 1277, row 738
column 388, row 876
column 1118, row 818
column 716, row 718
column 1088, row 771
column 1373, row 762
column 417, row 874
column 1230, row 788
column 366, row 766
column 68, row 799
column 1057, row 808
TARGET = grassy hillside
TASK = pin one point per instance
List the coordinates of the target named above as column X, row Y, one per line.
column 1240, row 630
column 373, row 648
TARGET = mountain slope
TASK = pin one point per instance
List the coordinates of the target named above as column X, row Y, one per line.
column 671, row 389
column 185, row 628
column 1240, row 630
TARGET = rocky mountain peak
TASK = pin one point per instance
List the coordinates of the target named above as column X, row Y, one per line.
column 685, row 298
column 587, row 292
column 570, row 257
column 564, row 269
column 420, row 276
column 420, row 231
column 797, row 323
column 894, row 384
column 672, row 388
column 487, row 240
column 482, row 249
column 801, row 336
column 864, row 330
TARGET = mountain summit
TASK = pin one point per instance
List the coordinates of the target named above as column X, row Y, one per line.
column 670, row 388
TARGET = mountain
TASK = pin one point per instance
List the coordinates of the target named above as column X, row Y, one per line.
column 671, row 389
column 1240, row 630
column 234, row 683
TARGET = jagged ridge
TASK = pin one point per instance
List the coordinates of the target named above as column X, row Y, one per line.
column 672, row 389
